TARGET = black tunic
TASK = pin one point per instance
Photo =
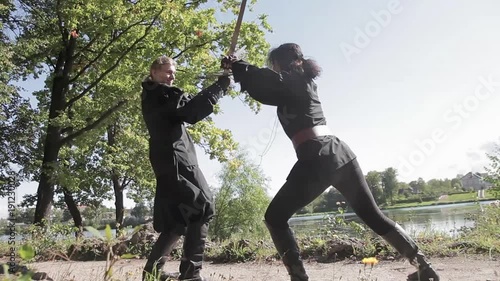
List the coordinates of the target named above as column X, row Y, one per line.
column 182, row 193
column 298, row 107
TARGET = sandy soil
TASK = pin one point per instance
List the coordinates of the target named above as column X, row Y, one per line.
column 456, row 269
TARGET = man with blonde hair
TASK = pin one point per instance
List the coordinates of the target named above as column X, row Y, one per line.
column 183, row 203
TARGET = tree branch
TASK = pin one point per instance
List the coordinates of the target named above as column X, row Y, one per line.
column 111, row 68
column 50, row 63
column 193, row 4
column 126, row 181
column 94, row 124
column 59, row 21
column 101, row 53
column 194, row 46
column 86, row 47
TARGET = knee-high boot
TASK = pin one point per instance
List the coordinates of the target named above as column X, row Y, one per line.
column 194, row 249
column 402, row 242
column 159, row 254
column 287, row 247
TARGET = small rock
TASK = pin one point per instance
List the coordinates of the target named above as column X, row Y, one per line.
column 41, row 276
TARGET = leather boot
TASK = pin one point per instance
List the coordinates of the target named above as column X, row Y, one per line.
column 287, row 247
column 193, row 252
column 402, row 242
column 159, row 254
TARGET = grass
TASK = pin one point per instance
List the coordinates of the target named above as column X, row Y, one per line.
column 468, row 196
column 450, row 199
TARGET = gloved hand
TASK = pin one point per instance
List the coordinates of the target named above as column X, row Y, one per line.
column 227, row 61
column 224, row 81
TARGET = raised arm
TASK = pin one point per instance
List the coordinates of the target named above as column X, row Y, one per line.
column 170, row 104
column 266, row 85
column 192, row 109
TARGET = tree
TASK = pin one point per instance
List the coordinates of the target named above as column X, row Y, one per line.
column 241, row 200
column 24, row 215
column 17, row 127
column 436, row 187
column 17, row 130
column 456, row 183
column 390, row 183
column 374, row 181
column 93, row 215
column 328, row 201
column 90, row 53
column 494, row 171
column 418, row 186
column 404, row 189
column 140, row 210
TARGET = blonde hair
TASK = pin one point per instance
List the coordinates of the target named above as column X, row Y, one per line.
column 161, row 60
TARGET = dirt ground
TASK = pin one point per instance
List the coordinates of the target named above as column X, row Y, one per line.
column 455, row 269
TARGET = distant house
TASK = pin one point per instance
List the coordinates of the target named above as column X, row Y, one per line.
column 475, row 181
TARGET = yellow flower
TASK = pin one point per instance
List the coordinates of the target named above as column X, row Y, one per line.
column 370, row 261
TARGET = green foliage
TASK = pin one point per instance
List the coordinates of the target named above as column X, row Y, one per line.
column 390, row 183
column 27, row 252
column 140, row 210
column 93, row 56
column 418, row 186
column 109, row 243
column 484, row 237
column 92, row 215
column 494, row 171
column 374, row 181
column 47, row 242
column 240, row 201
column 328, row 201
column 17, row 135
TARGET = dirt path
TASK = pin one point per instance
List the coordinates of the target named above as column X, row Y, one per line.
column 451, row 269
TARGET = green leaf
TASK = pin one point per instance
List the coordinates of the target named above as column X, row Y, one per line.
column 27, row 252
column 94, row 232
column 26, row 277
column 104, row 65
column 128, row 256
column 109, row 233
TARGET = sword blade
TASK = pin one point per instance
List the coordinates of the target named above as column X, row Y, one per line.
column 237, row 28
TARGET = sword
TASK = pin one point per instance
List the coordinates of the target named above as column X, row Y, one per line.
column 232, row 47
column 236, row 32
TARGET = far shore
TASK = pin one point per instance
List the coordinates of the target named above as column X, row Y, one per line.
column 405, row 206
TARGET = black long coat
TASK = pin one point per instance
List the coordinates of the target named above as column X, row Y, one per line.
column 182, row 193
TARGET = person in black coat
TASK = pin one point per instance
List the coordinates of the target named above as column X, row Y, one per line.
column 183, row 203
column 323, row 159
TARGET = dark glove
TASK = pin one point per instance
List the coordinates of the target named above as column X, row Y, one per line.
column 227, row 61
column 224, row 82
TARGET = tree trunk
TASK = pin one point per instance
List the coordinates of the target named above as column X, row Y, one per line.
column 117, row 185
column 120, row 210
column 75, row 213
column 52, row 144
column 51, row 148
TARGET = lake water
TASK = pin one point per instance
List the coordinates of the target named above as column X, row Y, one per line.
column 443, row 218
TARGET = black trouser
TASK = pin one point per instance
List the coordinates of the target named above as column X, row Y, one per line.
column 193, row 251
column 307, row 180
column 310, row 178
